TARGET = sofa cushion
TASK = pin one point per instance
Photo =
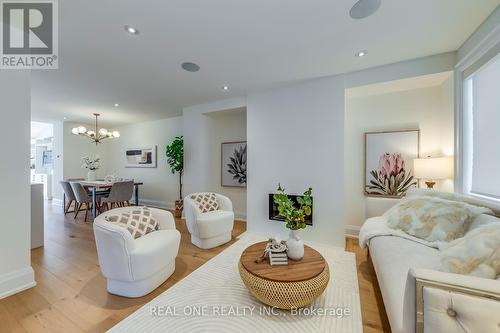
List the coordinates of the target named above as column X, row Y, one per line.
column 138, row 221
column 215, row 223
column 206, row 202
column 392, row 258
column 432, row 218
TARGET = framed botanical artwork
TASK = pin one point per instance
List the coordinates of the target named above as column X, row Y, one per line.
column 234, row 164
column 141, row 157
column 389, row 162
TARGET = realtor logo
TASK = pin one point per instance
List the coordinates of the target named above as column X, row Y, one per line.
column 29, row 34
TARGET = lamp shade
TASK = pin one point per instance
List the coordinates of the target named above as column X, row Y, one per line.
column 433, row 168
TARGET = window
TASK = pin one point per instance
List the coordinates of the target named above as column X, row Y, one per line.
column 481, row 129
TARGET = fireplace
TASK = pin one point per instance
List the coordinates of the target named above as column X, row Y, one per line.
column 273, row 210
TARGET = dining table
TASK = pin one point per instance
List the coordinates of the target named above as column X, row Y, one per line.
column 98, row 185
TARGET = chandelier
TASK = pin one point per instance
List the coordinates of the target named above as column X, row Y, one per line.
column 96, row 135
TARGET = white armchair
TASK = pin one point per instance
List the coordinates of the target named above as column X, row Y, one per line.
column 136, row 267
column 209, row 229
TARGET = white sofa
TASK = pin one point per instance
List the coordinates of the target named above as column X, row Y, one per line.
column 209, row 229
column 418, row 298
column 136, row 267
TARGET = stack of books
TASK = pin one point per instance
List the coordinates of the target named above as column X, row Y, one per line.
column 278, row 258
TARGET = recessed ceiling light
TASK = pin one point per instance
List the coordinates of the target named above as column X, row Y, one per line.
column 361, row 53
column 225, row 88
column 364, row 8
column 131, row 30
column 190, row 67
column 65, row 118
column 116, row 105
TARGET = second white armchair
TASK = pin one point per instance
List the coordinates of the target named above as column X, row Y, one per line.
column 209, row 219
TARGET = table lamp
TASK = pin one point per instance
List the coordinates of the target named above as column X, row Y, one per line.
column 432, row 168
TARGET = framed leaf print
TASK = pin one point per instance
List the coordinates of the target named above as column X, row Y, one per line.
column 389, row 162
column 234, row 164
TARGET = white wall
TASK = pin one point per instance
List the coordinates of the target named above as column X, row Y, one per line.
column 197, row 147
column 161, row 187
column 226, row 126
column 430, row 109
column 296, row 137
column 16, row 273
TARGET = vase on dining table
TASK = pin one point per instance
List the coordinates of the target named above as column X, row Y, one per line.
column 91, row 175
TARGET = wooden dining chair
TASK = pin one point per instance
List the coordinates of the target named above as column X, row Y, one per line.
column 82, row 198
column 120, row 195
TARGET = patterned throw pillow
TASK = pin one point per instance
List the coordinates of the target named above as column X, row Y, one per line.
column 138, row 221
column 475, row 254
column 207, row 202
column 433, row 219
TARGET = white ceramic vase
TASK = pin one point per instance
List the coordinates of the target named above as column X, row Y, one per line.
column 295, row 246
column 91, row 175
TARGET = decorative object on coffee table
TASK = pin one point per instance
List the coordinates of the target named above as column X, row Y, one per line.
column 277, row 252
column 175, row 160
column 293, row 286
column 295, row 219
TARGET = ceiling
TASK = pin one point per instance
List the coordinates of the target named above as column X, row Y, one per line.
column 248, row 45
column 419, row 82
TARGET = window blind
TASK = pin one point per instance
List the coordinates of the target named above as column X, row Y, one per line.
column 485, row 177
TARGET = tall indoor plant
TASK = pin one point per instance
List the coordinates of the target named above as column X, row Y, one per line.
column 294, row 214
column 175, row 160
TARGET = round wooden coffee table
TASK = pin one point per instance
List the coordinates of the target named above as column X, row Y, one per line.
column 292, row 286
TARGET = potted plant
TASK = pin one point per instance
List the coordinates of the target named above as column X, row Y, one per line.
column 91, row 164
column 295, row 218
column 175, row 160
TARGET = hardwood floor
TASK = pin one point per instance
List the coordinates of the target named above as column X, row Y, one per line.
column 71, row 296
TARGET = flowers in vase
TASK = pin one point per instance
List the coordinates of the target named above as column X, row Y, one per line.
column 91, row 163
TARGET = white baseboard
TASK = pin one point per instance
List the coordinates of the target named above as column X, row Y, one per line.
column 240, row 216
column 13, row 282
column 352, row 231
column 57, row 202
column 157, row 204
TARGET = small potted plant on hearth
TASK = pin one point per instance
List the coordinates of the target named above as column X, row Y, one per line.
column 175, row 160
column 295, row 219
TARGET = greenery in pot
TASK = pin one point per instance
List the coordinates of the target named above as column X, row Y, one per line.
column 294, row 215
column 175, row 160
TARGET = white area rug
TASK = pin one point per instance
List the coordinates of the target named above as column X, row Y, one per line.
column 214, row 299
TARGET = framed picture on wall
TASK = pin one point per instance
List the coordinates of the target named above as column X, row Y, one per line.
column 234, row 164
column 141, row 157
column 389, row 162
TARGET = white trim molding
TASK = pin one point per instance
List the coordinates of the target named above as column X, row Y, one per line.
column 352, row 231
column 57, row 202
column 13, row 282
column 157, row 204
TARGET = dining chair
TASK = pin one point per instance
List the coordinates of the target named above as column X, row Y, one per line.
column 120, row 195
column 69, row 195
column 82, row 197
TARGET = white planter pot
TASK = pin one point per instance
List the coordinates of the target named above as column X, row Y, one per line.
column 295, row 246
column 91, row 175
